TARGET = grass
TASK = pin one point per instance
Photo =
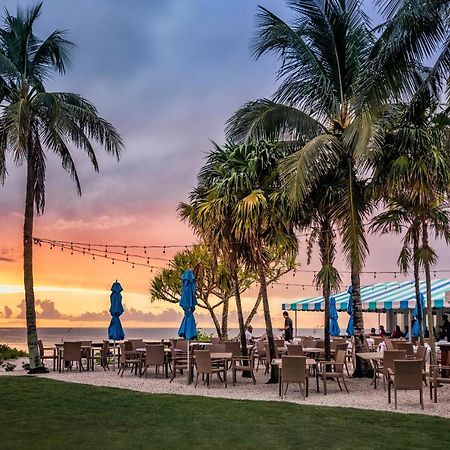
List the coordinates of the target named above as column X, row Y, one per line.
column 47, row 414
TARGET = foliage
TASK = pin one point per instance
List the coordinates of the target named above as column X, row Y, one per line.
column 37, row 404
column 203, row 337
column 7, row 352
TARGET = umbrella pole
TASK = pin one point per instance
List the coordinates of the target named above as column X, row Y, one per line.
column 188, row 362
column 114, row 355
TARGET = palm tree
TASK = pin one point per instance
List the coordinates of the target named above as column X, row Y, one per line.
column 413, row 175
column 34, row 121
column 318, row 111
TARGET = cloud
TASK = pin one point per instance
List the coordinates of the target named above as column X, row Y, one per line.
column 104, row 222
column 6, row 254
column 7, row 313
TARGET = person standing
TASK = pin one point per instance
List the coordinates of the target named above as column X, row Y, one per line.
column 288, row 327
column 445, row 328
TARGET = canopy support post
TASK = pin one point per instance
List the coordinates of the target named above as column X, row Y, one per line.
column 295, row 322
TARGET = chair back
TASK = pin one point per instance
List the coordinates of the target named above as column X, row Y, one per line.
column 72, row 351
column 217, row 348
column 340, row 360
column 389, row 344
column 377, row 340
column 342, row 346
column 407, row 346
column 421, row 353
column 293, row 369
column 203, row 361
column 279, row 342
column 86, row 351
column 308, row 342
column 408, row 374
column 136, row 343
column 41, row 348
column 104, row 352
column 333, row 345
column 182, row 345
column 233, row 347
column 295, row 350
column 395, row 343
column 128, row 346
column 389, row 356
column 215, row 340
column 261, row 348
column 154, row 355
column 320, row 343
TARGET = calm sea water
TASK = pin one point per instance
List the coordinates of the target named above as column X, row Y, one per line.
column 16, row 337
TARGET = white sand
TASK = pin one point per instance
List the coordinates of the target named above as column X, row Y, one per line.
column 362, row 394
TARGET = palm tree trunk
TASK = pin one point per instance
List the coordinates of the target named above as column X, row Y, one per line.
column 216, row 322
column 362, row 367
column 417, row 283
column 254, row 309
column 226, row 304
column 237, row 296
column 426, row 264
column 326, row 325
column 32, row 338
column 268, row 321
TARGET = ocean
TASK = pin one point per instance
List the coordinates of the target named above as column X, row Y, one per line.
column 16, row 337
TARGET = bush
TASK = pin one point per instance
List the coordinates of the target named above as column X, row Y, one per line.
column 203, row 337
column 7, row 352
column 9, row 367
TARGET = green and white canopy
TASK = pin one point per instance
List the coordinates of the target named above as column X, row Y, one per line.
column 381, row 297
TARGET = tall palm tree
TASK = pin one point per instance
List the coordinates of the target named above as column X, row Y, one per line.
column 34, row 121
column 413, row 175
column 318, row 110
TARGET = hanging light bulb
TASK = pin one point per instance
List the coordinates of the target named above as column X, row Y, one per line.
column 164, row 249
column 145, row 249
column 125, row 249
column 113, row 261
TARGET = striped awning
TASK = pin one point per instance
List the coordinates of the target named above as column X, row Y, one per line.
column 380, row 297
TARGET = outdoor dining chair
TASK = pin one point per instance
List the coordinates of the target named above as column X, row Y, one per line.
column 244, row 364
column 104, row 355
column 128, row 358
column 154, row 356
column 344, row 347
column 388, row 364
column 261, row 355
column 295, row 350
column 204, row 366
column 332, row 370
column 86, row 351
column 72, row 354
column 438, row 376
column 407, row 346
column 51, row 356
column 293, row 370
column 406, row 376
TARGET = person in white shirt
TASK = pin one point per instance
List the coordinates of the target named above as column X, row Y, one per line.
column 249, row 334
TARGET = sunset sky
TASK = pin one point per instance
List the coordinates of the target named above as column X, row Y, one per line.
column 167, row 74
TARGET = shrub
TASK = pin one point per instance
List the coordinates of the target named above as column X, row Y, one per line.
column 9, row 367
column 7, row 352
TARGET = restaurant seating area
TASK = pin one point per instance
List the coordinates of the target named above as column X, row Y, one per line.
column 398, row 365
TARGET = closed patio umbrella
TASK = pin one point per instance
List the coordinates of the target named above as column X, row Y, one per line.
column 115, row 330
column 415, row 331
column 188, row 301
column 334, row 326
column 350, row 330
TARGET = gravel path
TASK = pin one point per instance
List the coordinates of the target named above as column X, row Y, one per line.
column 362, row 395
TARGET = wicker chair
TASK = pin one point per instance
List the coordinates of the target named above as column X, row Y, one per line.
column 154, row 356
column 86, row 351
column 388, row 364
column 437, row 377
column 104, row 355
column 295, row 350
column 343, row 346
column 128, row 358
column 43, row 356
column 332, row 370
column 72, row 353
column 389, row 344
column 217, row 348
column 408, row 347
column 293, row 370
column 204, row 366
column 244, row 364
column 407, row 376
column 261, row 355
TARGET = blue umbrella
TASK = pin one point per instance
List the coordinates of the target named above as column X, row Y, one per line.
column 115, row 330
column 415, row 332
column 188, row 301
column 350, row 330
column 334, row 326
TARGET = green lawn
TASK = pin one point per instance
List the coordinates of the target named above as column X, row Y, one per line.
column 39, row 413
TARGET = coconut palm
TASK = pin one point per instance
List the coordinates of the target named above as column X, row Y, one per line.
column 413, row 175
column 323, row 56
column 34, row 121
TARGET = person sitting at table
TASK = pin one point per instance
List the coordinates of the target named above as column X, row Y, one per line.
column 445, row 329
column 381, row 331
column 406, row 333
column 373, row 332
column 397, row 333
column 288, row 327
column 249, row 335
